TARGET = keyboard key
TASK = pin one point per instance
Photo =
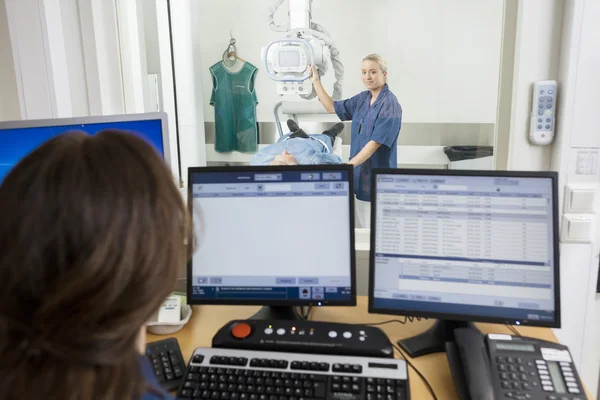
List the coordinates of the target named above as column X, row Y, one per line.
column 319, row 389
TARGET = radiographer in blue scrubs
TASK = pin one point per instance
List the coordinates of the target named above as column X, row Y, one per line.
column 376, row 117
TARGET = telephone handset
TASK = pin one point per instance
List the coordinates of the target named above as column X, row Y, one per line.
column 499, row 367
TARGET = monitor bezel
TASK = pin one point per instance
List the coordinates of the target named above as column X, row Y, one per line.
column 460, row 317
column 271, row 169
column 104, row 119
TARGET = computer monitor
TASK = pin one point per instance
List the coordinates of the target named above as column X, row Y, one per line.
column 19, row 138
column 277, row 236
column 463, row 246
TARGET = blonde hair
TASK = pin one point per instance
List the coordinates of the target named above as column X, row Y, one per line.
column 380, row 61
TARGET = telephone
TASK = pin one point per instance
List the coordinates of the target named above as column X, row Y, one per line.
column 502, row 367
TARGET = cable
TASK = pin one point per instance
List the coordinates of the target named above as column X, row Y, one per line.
column 427, row 384
column 403, row 322
column 305, row 315
column 513, row 329
column 386, row 322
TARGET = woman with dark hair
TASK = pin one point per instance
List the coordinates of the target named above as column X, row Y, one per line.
column 91, row 238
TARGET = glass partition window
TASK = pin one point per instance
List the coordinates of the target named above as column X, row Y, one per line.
column 443, row 65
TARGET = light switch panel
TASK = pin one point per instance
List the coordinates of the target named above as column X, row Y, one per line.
column 577, row 228
column 579, row 199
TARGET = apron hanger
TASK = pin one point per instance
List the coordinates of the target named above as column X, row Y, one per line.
column 230, row 56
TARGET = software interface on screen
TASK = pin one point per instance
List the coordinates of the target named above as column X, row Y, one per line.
column 272, row 236
column 18, row 142
column 465, row 245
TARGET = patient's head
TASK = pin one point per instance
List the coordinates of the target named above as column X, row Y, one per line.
column 284, row 158
column 91, row 240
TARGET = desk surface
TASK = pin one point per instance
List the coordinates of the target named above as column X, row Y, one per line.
column 206, row 320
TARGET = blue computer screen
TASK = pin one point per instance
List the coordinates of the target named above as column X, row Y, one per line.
column 465, row 245
column 281, row 236
column 17, row 143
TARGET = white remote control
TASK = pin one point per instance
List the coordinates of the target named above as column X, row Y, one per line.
column 543, row 113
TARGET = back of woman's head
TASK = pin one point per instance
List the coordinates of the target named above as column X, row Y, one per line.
column 91, row 239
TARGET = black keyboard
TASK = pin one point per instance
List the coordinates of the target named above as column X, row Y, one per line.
column 227, row 374
column 167, row 362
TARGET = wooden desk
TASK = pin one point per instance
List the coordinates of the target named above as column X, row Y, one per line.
column 206, row 320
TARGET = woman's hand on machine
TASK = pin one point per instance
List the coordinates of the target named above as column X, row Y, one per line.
column 314, row 77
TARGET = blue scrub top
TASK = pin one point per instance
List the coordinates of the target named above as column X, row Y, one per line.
column 379, row 122
column 157, row 393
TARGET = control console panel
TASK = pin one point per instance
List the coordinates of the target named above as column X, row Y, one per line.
column 304, row 337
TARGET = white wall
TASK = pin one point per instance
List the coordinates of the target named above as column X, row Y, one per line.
column 150, row 35
column 577, row 131
column 536, row 58
column 443, row 57
column 9, row 95
column 74, row 54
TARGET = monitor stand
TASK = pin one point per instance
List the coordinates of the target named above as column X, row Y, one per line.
column 434, row 339
column 287, row 313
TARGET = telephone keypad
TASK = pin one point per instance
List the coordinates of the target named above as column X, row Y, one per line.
column 519, row 377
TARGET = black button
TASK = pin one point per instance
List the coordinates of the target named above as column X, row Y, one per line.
column 505, row 385
column 357, row 369
column 282, row 364
column 198, row 359
column 319, row 389
column 501, row 367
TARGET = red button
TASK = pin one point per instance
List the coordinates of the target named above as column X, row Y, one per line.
column 241, row 331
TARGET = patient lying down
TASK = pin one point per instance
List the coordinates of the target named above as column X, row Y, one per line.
column 299, row 148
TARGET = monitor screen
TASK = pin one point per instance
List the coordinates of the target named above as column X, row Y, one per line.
column 467, row 247
column 289, row 58
column 18, row 141
column 272, row 235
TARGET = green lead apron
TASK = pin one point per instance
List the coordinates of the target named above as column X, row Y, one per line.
column 234, row 99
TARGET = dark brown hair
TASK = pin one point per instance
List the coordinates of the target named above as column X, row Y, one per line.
column 91, row 239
